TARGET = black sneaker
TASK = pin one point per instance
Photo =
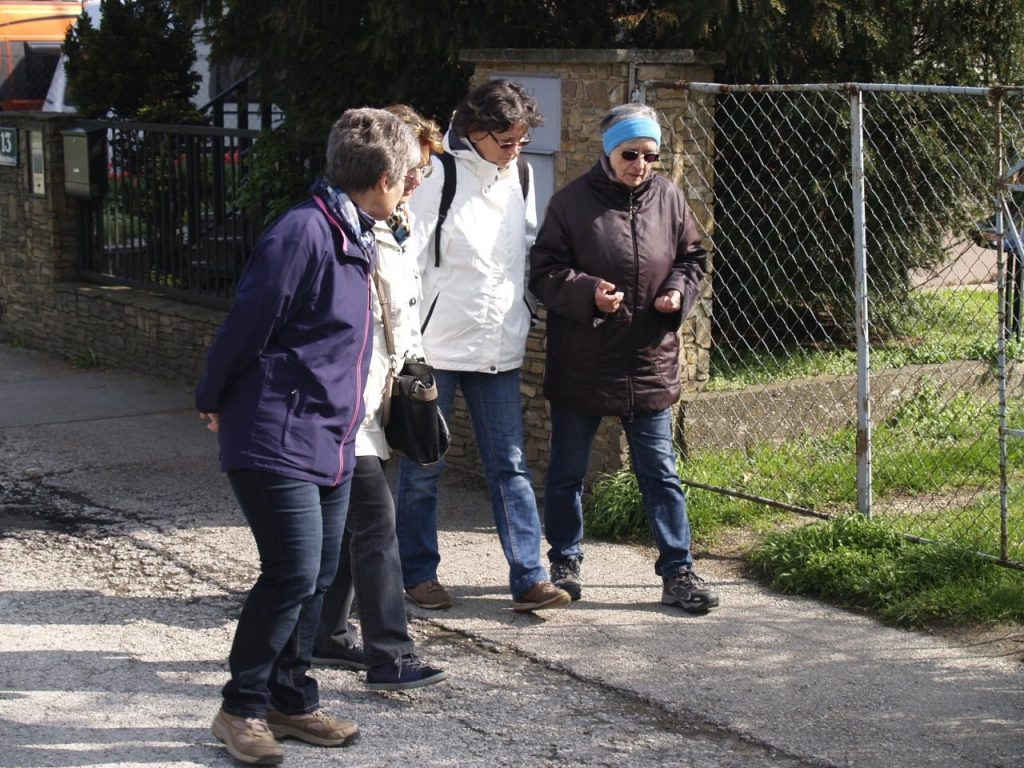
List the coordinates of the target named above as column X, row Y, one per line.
column 565, row 574
column 689, row 591
column 408, row 671
column 339, row 656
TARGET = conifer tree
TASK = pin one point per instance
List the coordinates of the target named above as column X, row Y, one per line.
column 138, row 64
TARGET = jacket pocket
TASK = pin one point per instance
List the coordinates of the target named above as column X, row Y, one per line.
column 291, row 406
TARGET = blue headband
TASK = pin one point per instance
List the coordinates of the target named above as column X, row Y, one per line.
column 632, row 128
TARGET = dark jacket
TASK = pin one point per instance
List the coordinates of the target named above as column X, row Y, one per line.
column 287, row 367
column 643, row 240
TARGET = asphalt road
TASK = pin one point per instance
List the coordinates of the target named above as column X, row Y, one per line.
column 123, row 562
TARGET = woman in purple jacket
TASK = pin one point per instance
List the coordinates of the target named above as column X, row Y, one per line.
column 618, row 261
column 283, row 389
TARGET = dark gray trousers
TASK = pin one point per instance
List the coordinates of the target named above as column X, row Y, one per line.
column 370, row 572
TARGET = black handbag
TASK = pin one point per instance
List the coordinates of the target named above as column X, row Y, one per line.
column 413, row 423
column 415, row 426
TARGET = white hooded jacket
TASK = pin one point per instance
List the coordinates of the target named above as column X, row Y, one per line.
column 475, row 315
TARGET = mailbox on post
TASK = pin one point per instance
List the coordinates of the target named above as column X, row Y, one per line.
column 85, row 162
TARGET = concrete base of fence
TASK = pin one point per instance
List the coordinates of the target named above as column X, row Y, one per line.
column 785, row 410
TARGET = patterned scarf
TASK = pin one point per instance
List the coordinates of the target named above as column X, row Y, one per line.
column 399, row 224
column 357, row 223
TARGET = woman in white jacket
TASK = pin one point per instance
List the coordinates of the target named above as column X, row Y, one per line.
column 475, row 319
column 370, row 569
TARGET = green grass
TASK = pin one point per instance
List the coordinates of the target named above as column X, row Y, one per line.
column 86, row 359
column 918, row 334
column 933, row 444
column 930, row 443
column 867, row 565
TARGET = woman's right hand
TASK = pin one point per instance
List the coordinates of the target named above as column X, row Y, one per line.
column 213, row 418
column 606, row 298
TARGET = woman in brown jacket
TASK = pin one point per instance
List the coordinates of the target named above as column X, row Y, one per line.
column 618, row 261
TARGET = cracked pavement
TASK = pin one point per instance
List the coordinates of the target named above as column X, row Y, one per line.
column 124, row 560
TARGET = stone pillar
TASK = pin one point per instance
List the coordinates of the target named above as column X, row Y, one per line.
column 592, row 81
column 37, row 231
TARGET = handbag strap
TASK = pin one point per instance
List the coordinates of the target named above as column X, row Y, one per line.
column 385, row 307
column 389, row 342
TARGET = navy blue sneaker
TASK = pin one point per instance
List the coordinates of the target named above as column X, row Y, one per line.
column 340, row 656
column 408, row 671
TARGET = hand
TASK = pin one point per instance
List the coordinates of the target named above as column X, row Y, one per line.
column 671, row 301
column 213, row 418
column 606, row 298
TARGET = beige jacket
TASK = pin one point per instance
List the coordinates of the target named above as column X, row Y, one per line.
column 400, row 280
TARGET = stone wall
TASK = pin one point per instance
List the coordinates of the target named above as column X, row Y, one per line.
column 37, row 232
column 591, row 82
column 43, row 304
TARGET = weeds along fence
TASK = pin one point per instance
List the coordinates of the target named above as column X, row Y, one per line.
column 859, row 344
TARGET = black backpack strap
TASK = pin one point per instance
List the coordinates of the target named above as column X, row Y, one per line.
column 447, row 195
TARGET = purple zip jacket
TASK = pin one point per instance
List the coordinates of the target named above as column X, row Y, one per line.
column 287, row 367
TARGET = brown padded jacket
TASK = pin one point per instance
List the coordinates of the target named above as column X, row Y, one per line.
column 645, row 241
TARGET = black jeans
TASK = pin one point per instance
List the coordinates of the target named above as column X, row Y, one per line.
column 371, row 573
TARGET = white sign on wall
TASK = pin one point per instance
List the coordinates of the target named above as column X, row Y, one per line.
column 35, row 150
column 547, row 138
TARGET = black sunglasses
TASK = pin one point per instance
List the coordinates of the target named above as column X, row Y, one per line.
column 507, row 144
column 629, row 155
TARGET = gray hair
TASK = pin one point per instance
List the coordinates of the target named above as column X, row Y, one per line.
column 626, row 111
column 366, row 144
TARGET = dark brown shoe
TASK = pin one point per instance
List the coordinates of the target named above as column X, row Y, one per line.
column 541, row 596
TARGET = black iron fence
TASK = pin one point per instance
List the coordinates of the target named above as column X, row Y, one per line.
column 182, row 207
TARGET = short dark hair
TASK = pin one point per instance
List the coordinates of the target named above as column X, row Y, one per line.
column 496, row 106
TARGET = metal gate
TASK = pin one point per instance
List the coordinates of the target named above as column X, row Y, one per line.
column 860, row 344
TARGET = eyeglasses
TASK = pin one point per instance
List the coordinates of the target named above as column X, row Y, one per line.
column 629, row 155
column 507, row 144
column 420, row 171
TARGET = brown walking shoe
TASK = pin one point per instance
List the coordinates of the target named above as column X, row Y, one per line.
column 248, row 739
column 430, row 595
column 317, row 728
column 541, row 596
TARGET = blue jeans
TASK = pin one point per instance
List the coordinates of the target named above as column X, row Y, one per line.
column 654, row 464
column 297, row 527
column 496, row 410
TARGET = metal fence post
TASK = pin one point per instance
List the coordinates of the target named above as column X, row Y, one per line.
column 861, row 299
column 1001, row 282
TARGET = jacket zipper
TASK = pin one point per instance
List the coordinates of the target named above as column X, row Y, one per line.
column 366, row 335
column 636, row 290
column 359, row 367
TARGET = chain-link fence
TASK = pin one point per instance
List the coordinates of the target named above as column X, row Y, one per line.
column 858, row 344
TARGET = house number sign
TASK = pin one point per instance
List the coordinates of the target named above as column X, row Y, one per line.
column 8, row 146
